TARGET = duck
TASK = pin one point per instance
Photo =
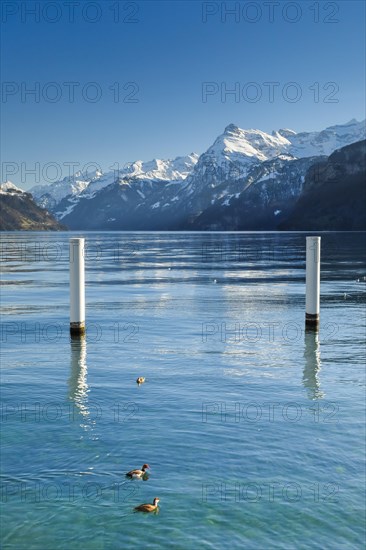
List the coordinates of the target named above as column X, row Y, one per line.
column 140, row 380
column 148, row 507
column 138, row 473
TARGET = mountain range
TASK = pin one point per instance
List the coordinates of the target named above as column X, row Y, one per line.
column 247, row 179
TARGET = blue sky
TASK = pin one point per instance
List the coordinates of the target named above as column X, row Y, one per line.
column 161, row 54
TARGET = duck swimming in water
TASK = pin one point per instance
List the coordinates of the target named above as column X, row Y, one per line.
column 139, row 473
column 140, row 380
column 148, row 507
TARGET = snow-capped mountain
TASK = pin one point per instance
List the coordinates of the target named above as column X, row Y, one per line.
column 307, row 144
column 166, row 194
column 269, row 193
column 237, row 148
column 8, row 188
column 161, row 170
column 237, row 157
column 236, row 144
column 84, row 186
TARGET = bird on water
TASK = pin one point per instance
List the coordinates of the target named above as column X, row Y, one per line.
column 140, row 380
column 138, row 473
column 148, row 507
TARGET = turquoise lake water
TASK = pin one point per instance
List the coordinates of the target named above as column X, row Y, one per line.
column 254, row 429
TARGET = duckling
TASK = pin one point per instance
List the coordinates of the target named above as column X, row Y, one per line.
column 138, row 473
column 140, row 380
column 148, row 507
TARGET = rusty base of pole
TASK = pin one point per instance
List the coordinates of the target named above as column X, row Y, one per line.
column 311, row 321
column 77, row 329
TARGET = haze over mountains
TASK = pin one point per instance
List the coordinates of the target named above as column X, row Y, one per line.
column 247, row 179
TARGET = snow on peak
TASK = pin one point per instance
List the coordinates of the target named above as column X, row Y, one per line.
column 165, row 170
column 285, row 132
column 232, row 129
column 9, row 188
column 87, row 184
column 307, row 144
column 235, row 151
column 236, row 144
column 88, row 175
column 71, row 185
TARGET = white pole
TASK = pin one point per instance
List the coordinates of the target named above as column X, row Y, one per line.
column 77, row 287
column 312, row 308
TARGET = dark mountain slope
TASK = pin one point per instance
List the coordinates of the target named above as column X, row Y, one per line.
column 334, row 194
column 18, row 211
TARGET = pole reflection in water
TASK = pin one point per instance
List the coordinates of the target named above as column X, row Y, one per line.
column 312, row 365
column 78, row 387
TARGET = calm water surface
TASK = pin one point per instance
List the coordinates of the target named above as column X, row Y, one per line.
column 254, row 430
